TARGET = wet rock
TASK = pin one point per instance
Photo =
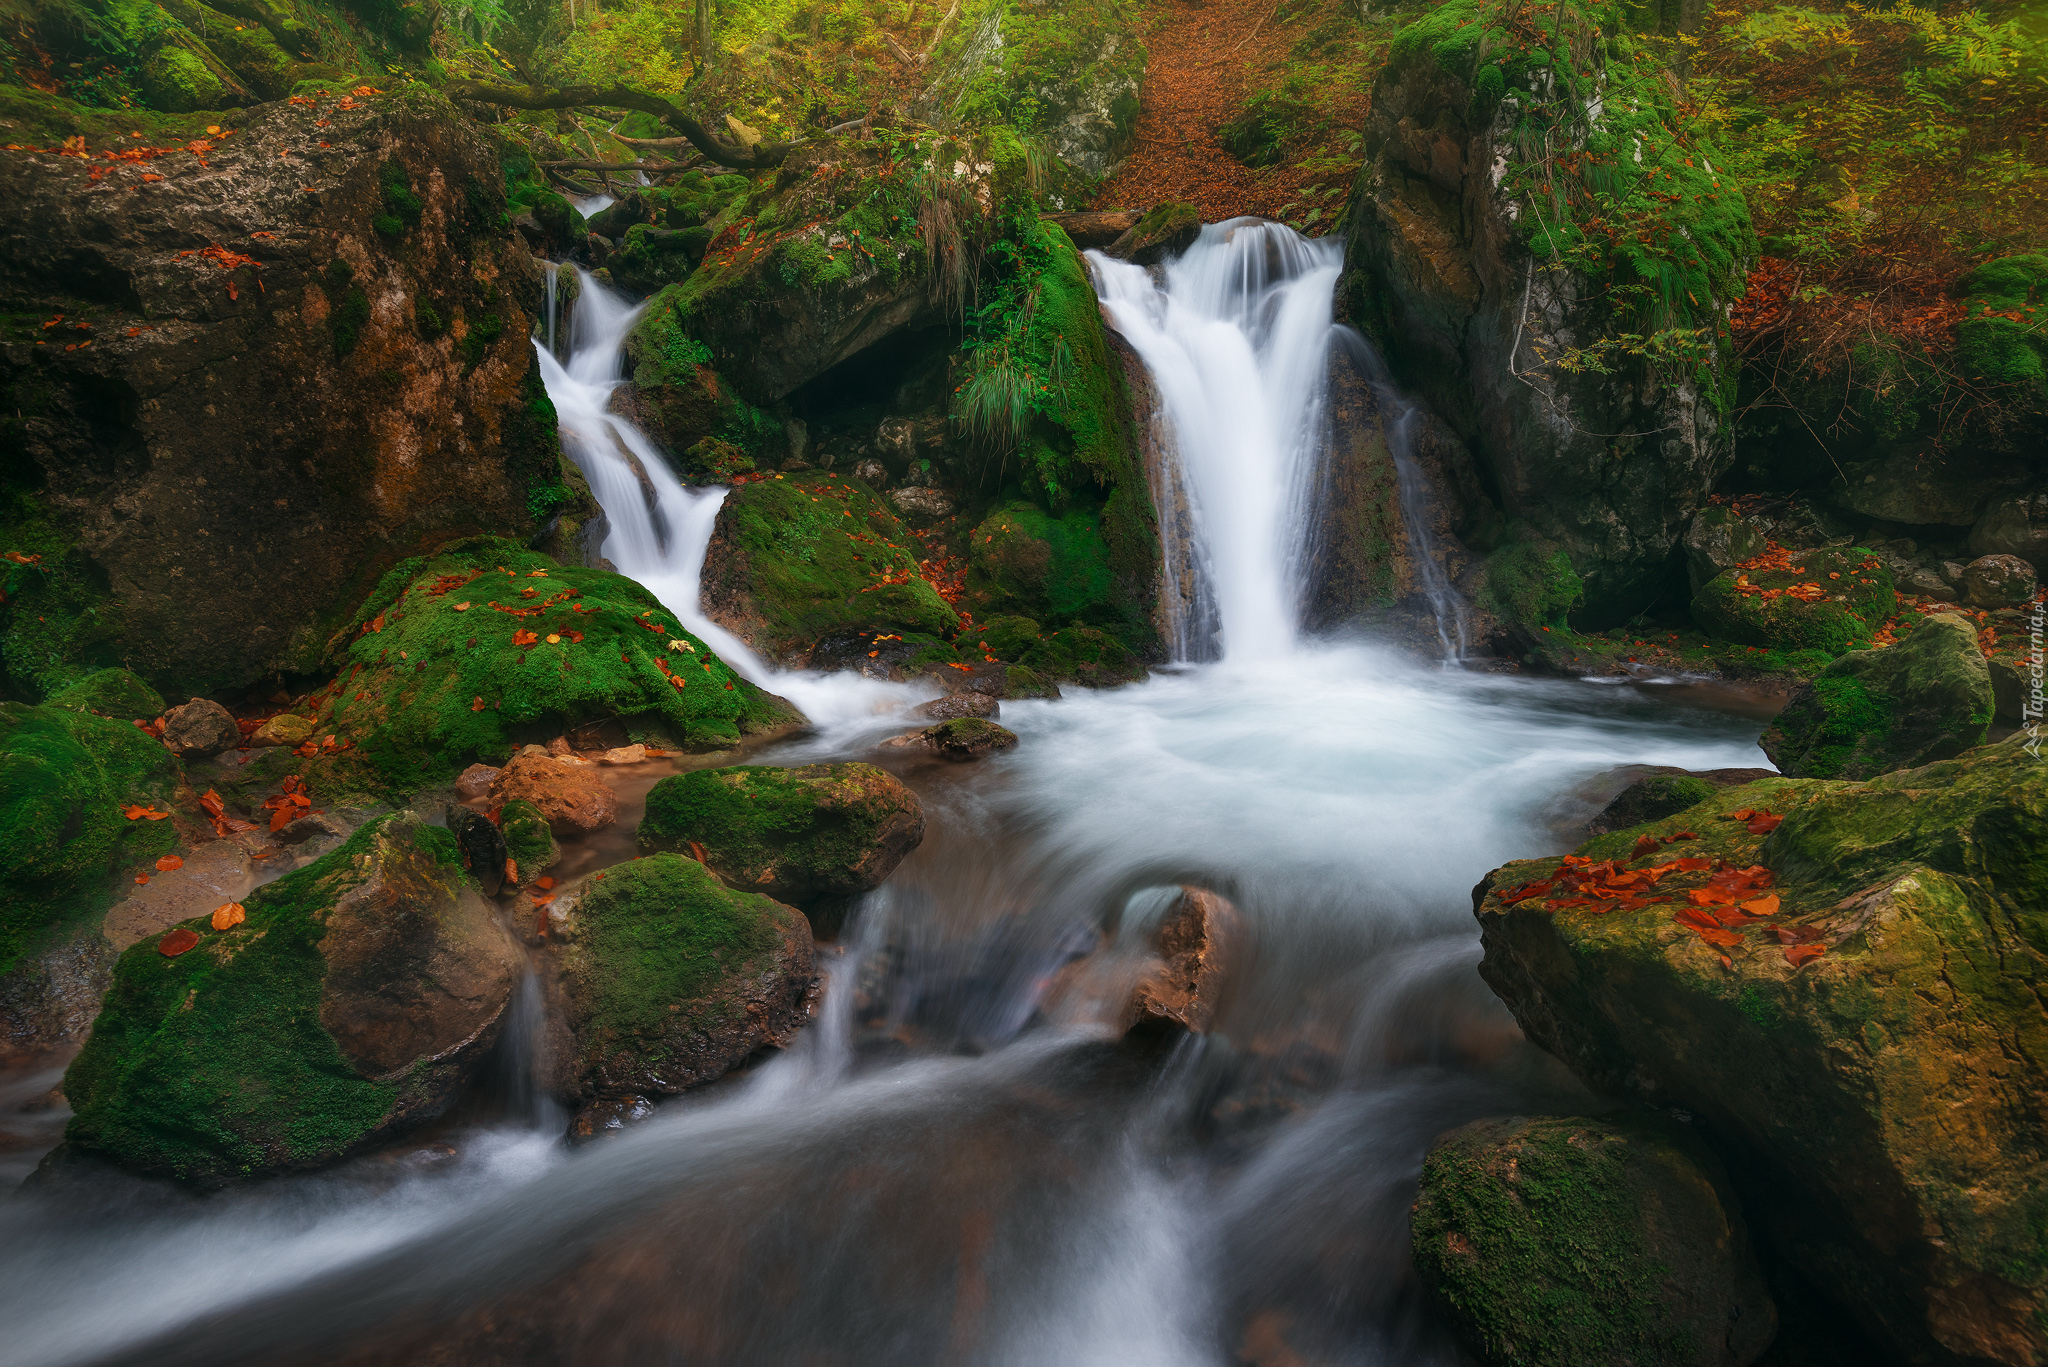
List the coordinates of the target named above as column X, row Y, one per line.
column 968, row 738
column 1718, row 540
column 609, row 1115
column 1198, row 942
column 1871, row 711
column 530, row 847
column 1666, row 792
column 2015, row 524
column 438, row 434
column 1861, row 1044
column 66, row 779
column 964, row 704
column 921, row 507
column 285, row 729
column 574, row 798
column 483, row 847
column 355, row 998
column 1572, row 1242
column 473, row 782
column 819, row 830
column 216, row 872
column 873, row 472
column 666, row 980
column 199, row 729
column 1092, row 230
column 1999, row 581
column 624, row 754
column 560, row 748
column 1851, row 597
column 1161, row 232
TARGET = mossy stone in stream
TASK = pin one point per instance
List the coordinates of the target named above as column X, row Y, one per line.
column 1075, row 654
column 460, row 656
column 529, row 843
column 820, row 830
column 1855, row 596
column 354, row 998
column 667, row 979
column 65, row 778
column 1927, row 698
column 1575, row 1242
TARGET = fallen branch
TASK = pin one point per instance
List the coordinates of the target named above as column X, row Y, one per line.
column 937, row 33
column 760, row 157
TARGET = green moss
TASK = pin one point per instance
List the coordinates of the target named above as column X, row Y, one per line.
column 112, row 693
column 1076, row 654
column 347, row 318
column 529, row 843
column 479, row 337
column 824, row 557
column 1540, row 1250
column 811, row 829
column 655, row 934
column 215, row 1063
column 1859, row 597
column 2002, row 341
column 65, row 777
column 1530, row 585
column 427, row 687
column 1927, row 698
column 401, row 206
column 427, row 318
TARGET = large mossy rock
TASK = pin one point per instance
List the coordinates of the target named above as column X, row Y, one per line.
column 275, row 377
column 667, row 980
column 1885, row 1095
column 353, row 1000
column 810, row 557
column 1561, row 1241
column 819, row 830
column 1075, row 654
column 1460, row 230
column 464, row 654
column 1928, row 698
column 1828, row 600
column 67, row 777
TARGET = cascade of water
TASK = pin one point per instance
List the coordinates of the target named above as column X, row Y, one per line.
column 1235, row 340
column 1403, row 419
column 554, row 275
column 659, row 528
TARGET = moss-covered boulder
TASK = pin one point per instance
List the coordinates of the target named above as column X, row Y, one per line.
column 466, row 653
column 1077, row 654
column 1927, row 698
column 1161, row 232
column 1562, row 1241
column 1830, row 600
column 529, row 842
column 111, row 693
column 803, row 558
column 1718, row 540
column 1666, row 792
column 352, row 1000
column 68, row 779
column 667, row 980
column 1845, row 982
column 1486, row 271
column 819, row 830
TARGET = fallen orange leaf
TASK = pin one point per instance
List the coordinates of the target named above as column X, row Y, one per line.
column 1762, row 906
column 545, row 883
column 144, row 814
column 229, row 914
column 1800, row 955
column 177, row 942
column 169, row 862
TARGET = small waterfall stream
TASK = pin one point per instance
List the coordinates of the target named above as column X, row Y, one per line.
column 936, row 1171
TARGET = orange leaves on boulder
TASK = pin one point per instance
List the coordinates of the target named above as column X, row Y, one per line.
column 229, row 914
column 1756, row 820
column 144, row 814
column 168, row 863
column 290, row 803
column 177, row 942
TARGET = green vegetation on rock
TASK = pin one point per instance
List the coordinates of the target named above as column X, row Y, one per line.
column 1854, row 597
column 816, row 830
column 529, row 841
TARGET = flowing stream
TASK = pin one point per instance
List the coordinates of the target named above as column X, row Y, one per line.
column 944, row 1169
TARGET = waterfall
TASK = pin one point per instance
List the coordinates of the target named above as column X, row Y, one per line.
column 1235, row 336
column 659, row 527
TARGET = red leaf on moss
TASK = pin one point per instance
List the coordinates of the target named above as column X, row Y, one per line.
column 522, row 637
column 1803, row 954
column 1647, row 844
column 1718, row 936
column 177, row 942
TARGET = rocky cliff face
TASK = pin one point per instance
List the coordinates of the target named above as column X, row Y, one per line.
column 1541, row 248
column 245, row 373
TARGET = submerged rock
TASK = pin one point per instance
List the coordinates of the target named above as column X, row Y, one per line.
column 199, row 729
column 67, row 780
column 573, row 798
column 1925, row 699
column 968, row 738
column 667, row 980
column 1868, row 1031
column 352, row 1000
column 1198, row 942
column 1571, row 1242
column 820, row 830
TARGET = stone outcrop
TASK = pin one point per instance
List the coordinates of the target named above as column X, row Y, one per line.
column 666, row 980
column 818, row 830
column 280, row 359
column 199, row 729
column 1854, row 1013
column 352, row 1000
column 1871, row 711
column 1558, row 1241
column 572, row 798
column 1455, row 268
